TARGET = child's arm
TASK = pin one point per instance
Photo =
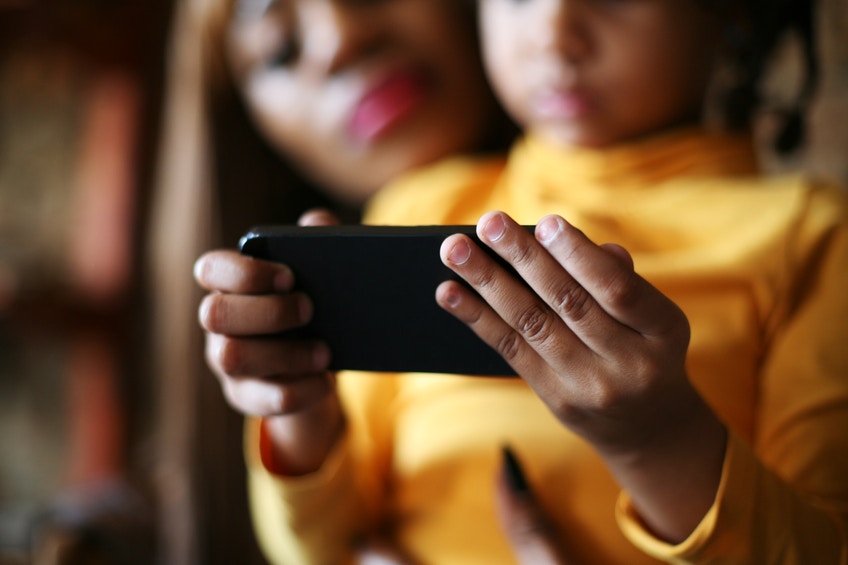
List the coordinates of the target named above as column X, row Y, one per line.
column 606, row 352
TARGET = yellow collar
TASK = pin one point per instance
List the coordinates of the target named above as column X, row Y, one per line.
column 687, row 152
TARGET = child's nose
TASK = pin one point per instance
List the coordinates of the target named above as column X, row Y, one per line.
column 336, row 33
column 566, row 31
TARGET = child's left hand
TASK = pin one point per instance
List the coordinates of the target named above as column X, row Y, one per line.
column 604, row 349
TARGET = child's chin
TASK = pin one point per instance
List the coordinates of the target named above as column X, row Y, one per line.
column 573, row 136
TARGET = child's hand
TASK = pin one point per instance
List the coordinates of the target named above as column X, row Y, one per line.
column 250, row 301
column 594, row 339
column 263, row 374
column 602, row 347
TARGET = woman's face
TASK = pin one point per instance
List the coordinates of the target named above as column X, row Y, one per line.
column 358, row 91
column 597, row 72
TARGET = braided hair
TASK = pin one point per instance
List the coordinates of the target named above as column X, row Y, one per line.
column 752, row 41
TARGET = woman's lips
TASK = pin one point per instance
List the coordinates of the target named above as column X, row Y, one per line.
column 387, row 104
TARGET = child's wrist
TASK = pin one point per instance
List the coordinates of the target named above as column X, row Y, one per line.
column 673, row 480
column 297, row 444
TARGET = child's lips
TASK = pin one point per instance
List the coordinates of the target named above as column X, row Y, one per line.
column 387, row 104
column 564, row 104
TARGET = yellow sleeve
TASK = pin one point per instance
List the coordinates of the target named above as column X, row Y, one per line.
column 320, row 517
column 303, row 520
column 757, row 518
column 784, row 500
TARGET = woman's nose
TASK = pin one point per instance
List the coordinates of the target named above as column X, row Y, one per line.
column 336, row 33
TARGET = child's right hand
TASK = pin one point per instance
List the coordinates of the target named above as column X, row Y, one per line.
column 264, row 374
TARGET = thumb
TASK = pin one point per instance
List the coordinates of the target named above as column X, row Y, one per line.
column 318, row 217
column 528, row 529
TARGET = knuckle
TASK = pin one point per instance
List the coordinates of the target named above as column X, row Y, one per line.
column 622, row 290
column 534, row 324
column 486, row 279
column 277, row 314
column 524, row 255
column 680, row 330
column 571, row 301
column 601, row 394
column 605, row 397
column 649, row 371
column 566, row 412
column 473, row 317
column 509, row 346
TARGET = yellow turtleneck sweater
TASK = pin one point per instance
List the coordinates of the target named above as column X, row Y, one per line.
column 760, row 267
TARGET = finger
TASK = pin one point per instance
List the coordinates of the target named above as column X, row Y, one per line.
column 256, row 397
column 496, row 286
column 530, row 532
column 565, row 300
column 229, row 271
column 610, row 279
column 242, row 315
column 318, row 217
column 233, row 356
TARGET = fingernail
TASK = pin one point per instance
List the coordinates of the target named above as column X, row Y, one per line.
column 514, row 474
column 494, row 228
column 321, row 357
column 459, row 253
column 304, row 309
column 548, row 228
column 283, row 281
column 452, row 298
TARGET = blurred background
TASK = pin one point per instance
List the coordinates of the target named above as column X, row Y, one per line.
column 82, row 478
column 80, row 90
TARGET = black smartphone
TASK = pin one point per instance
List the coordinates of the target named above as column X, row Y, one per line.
column 373, row 288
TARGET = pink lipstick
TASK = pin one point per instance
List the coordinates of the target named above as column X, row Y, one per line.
column 387, row 104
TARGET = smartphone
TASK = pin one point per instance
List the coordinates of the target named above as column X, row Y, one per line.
column 373, row 289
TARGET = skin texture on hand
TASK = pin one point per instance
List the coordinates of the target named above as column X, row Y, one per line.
column 604, row 350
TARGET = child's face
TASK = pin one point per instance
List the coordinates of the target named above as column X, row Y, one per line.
column 359, row 91
column 597, row 72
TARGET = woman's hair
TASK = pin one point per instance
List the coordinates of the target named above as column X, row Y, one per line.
column 757, row 29
column 213, row 19
column 216, row 177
